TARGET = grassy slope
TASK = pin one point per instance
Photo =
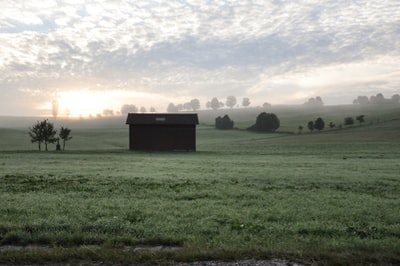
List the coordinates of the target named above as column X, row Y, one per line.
column 330, row 197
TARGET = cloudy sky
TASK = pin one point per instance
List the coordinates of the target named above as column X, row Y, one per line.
column 97, row 54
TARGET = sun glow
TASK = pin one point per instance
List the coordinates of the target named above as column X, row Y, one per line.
column 83, row 103
column 90, row 103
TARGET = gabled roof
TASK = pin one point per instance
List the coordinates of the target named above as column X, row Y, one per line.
column 162, row 119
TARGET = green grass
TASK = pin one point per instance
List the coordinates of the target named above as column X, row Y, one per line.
column 329, row 197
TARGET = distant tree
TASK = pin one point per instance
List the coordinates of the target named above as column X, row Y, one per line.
column 54, row 104
column 128, row 108
column 266, row 122
column 319, row 124
column 348, row 121
column 152, row 109
column 223, row 122
column 143, row 109
column 300, row 129
column 245, row 102
column 215, row 104
column 361, row 100
column 43, row 132
column 108, row 112
column 172, row 108
column 360, row 119
column 310, row 126
column 266, row 105
column 208, row 105
column 187, row 106
column 395, row 98
column 230, row 101
column 65, row 135
column 195, row 104
column 314, row 102
column 332, row 125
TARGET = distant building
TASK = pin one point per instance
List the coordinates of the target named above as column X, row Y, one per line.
column 162, row 132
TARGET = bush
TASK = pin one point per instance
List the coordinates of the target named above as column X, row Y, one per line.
column 266, row 122
column 223, row 122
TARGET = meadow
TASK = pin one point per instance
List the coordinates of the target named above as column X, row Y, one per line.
column 329, row 197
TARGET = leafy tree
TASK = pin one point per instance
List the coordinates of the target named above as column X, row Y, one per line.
column 128, row 108
column 266, row 105
column 266, row 122
column 152, row 109
column 310, row 126
column 319, row 124
column 314, row 102
column 195, row 104
column 300, row 129
column 43, row 132
column 108, row 112
column 172, row 108
column 230, row 101
column 223, row 122
column 65, row 135
column 348, row 121
column 215, row 104
column 332, row 125
column 143, row 109
column 360, row 119
column 245, row 102
column 395, row 98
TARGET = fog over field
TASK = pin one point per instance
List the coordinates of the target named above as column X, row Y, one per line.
column 88, row 56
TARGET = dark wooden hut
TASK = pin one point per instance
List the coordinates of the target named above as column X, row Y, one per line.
column 162, row 132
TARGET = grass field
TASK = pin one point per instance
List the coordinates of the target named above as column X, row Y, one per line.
column 327, row 198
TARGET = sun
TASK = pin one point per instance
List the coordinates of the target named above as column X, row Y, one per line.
column 82, row 103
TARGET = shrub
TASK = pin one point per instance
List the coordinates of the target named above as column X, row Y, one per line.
column 223, row 122
column 266, row 122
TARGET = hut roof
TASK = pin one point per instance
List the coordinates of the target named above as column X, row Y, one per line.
column 162, row 119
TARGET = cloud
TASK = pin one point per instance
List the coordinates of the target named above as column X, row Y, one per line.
column 201, row 48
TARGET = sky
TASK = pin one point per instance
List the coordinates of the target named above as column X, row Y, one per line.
column 100, row 54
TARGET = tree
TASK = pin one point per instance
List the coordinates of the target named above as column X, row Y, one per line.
column 54, row 104
column 172, row 108
column 300, row 129
column 128, row 108
column 65, row 135
column 360, row 119
column 348, row 121
column 195, row 104
column 395, row 98
column 143, row 109
column 310, row 126
column 230, row 101
column 43, row 132
column 319, row 124
column 245, row 102
column 223, row 122
column 266, row 105
column 332, row 125
column 108, row 112
column 215, row 104
column 153, row 110
column 314, row 102
column 266, row 122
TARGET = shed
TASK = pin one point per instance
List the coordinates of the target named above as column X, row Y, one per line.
column 163, row 132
